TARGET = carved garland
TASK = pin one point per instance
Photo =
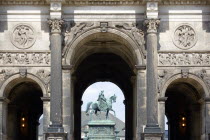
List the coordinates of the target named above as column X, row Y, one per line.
column 184, row 59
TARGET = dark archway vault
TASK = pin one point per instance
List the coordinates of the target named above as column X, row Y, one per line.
column 104, row 67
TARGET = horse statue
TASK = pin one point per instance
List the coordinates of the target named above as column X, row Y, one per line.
column 102, row 104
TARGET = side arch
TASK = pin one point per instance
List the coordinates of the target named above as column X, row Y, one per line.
column 113, row 33
column 192, row 79
column 16, row 79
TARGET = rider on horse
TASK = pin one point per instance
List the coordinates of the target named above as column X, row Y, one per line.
column 102, row 101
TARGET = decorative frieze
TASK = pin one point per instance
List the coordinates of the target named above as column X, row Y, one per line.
column 23, row 36
column 24, row 59
column 185, row 37
column 184, row 59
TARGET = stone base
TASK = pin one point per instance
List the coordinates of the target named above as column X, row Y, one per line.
column 55, row 132
column 152, row 136
column 55, row 136
column 101, row 130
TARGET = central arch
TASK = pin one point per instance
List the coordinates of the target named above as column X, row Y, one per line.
column 98, row 57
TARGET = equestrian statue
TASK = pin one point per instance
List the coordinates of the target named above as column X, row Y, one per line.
column 102, row 104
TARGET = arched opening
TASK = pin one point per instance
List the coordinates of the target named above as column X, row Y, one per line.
column 23, row 110
column 91, row 94
column 184, row 109
column 99, row 67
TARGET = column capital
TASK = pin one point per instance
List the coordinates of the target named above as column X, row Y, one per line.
column 45, row 99
column 152, row 25
column 67, row 67
column 140, row 67
column 162, row 99
column 55, row 25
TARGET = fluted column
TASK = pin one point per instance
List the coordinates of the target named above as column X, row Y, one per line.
column 152, row 128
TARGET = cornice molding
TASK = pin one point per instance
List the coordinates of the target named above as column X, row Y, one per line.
column 103, row 2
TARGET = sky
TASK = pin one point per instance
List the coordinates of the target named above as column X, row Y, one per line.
column 92, row 92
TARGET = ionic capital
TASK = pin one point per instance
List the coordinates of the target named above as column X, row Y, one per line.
column 152, row 25
column 55, row 25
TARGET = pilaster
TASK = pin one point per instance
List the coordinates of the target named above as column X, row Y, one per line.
column 207, row 121
column 3, row 109
column 140, row 100
column 68, row 114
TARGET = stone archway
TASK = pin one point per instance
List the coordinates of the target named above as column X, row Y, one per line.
column 185, row 107
column 102, row 56
column 22, row 107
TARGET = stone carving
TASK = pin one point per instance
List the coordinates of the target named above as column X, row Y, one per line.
column 185, row 73
column 23, row 72
column 101, row 130
column 55, row 25
column 203, row 75
column 152, row 25
column 24, row 58
column 44, row 75
column 5, row 74
column 184, row 37
column 184, row 59
column 104, row 26
column 23, row 36
column 78, row 29
column 162, row 77
column 137, row 34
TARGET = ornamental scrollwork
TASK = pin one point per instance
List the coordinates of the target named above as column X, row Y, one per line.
column 24, row 58
column 204, row 76
column 73, row 31
column 23, row 36
column 44, row 75
column 152, row 25
column 184, row 59
column 5, row 74
column 55, row 25
column 136, row 33
column 163, row 76
column 185, row 37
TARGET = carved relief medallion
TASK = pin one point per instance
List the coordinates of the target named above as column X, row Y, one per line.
column 23, row 36
column 185, row 37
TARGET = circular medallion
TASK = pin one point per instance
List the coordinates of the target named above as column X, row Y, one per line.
column 185, row 37
column 23, row 36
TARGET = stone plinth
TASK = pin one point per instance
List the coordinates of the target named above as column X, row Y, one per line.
column 101, row 130
column 55, row 136
column 152, row 136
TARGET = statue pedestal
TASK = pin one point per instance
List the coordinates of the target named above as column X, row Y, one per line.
column 101, row 130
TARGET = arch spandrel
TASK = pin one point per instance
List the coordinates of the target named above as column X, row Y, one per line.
column 191, row 79
column 69, row 52
column 15, row 79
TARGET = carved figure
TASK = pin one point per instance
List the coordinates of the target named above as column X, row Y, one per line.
column 136, row 33
column 23, row 36
column 102, row 104
column 184, row 37
column 72, row 33
column 44, row 75
column 7, row 59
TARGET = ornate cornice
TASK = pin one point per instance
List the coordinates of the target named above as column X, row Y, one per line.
column 103, row 2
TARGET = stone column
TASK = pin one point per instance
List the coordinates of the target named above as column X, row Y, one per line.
column 56, row 130
column 68, row 102
column 152, row 129
column 141, row 100
column 3, row 116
